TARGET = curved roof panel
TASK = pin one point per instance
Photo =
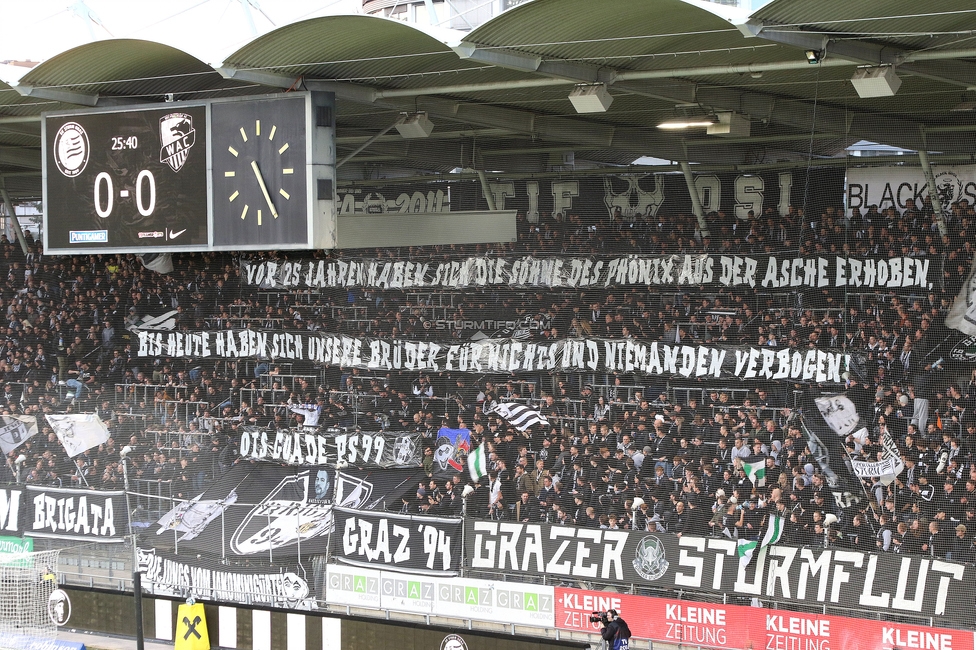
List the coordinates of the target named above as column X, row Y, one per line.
column 126, row 67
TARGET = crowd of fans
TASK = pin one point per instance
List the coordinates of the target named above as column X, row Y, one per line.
column 621, row 452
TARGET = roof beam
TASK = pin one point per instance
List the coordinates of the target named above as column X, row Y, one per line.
column 865, row 52
column 27, row 157
column 57, row 94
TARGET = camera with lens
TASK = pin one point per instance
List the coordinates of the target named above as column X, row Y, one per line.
column 600, row 617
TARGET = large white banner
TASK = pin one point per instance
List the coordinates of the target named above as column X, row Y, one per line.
column 481, row 600
column 888, row 187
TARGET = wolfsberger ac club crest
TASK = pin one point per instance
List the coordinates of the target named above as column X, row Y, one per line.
column 964, row 350
column 286, row 516
column 649, row 559
column 176, row 137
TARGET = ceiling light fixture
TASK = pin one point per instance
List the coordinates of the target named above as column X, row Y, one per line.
column 590, row 98
column 878, row 81
column 688, row 123
column 415, row 125
column 813, row 56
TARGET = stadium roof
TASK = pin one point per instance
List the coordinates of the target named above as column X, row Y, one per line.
column 498, row 95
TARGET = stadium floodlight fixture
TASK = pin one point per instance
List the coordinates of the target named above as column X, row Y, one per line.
column 813, row 56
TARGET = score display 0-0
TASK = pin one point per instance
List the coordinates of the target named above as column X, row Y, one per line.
column 140, row 179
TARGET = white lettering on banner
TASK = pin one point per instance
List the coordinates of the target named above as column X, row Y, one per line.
column 507, row 355
column 10, row 510
column 797, row 625
column 63, row 515
column 894, row 637
column 769, row 272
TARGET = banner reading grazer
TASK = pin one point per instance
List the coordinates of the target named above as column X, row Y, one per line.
column 506, row 355
column 768, row 272
column 427, row 545
column 356, row 449
column 887, row 582
column 685, row 622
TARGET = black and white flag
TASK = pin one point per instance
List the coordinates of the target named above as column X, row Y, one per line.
column 78, row 432
column 519, row 415
column 15, row 430
column 962, row 315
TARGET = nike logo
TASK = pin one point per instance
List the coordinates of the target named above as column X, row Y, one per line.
column 174, row 235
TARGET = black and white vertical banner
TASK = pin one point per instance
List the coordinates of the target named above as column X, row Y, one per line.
column 510, row 355
column 769, row 272
column 415, row 544
column 67, row 513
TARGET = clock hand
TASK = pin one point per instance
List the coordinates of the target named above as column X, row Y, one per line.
column 264, row 189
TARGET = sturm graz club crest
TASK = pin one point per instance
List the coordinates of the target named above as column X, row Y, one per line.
column 964, row 350
column 649, row 559
column 176, row 137
column 948, row 187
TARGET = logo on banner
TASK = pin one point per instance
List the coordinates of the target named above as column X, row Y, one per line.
column 632, row 199
column 59, row 607
column 965, row 350
column 403, row 449
column 71, row 149
column 176, row 136
column 649, row 558
column 285, row 516
column 452, row 446
column 948, row 188
column 453, row 642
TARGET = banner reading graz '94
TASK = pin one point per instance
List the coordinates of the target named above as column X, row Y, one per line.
column 507, row 355
column 768, row 272
column 880, row 581
column 355, row 449
column 428, row 545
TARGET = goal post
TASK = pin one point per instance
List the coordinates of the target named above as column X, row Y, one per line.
column 27, row 581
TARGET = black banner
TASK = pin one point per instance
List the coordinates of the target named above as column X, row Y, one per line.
column 769, row 273
column 12, row 507
column 428, row 545
column 599, row 198
column 265, row 510
column 352, row 449
column 887, row 582
column 165, row 574
column 66, row 513
column 507, row 355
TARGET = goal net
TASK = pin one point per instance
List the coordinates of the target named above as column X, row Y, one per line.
column 26, row 583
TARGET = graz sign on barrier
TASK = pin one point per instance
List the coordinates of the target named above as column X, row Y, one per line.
column 839, row 577
column 427, row 545
column 467, row 598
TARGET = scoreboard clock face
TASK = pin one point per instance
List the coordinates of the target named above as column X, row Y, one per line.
column 134, row 180
column 259, row 173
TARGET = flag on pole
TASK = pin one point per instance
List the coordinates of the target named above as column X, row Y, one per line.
column 478, row 463
column 519, row 415
column 771, row 535
column 962, row 314
column 78, row 432
column 15, row 430
column 755, row 468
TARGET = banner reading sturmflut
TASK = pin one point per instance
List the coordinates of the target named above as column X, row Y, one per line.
column 781, row 273
column 507, row 355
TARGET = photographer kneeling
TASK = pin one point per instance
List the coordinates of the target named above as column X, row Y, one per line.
column 615, row 631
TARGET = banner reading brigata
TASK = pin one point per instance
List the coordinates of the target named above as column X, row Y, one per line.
column 710, row 271
column 67, row 513
column 885, row 582
column 507, row 355
column 685, row 622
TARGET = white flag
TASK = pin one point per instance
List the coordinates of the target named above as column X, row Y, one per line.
column 962, row 315
column 839, row 412
column 191, row 517
column 15, row 430
column 78, row 432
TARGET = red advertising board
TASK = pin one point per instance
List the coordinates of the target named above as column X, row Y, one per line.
column 736, row 626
